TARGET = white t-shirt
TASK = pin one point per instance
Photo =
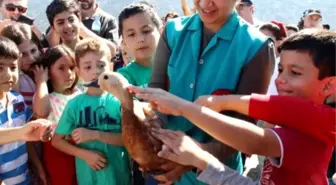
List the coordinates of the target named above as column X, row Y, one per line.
column 272, row 90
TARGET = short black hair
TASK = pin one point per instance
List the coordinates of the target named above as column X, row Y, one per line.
column 275, row 29
column 292, row 27
column 171, row 15
column 326, row 26
column 321, row 46
column 59, row 6
column 138, row 8
column 8, row 49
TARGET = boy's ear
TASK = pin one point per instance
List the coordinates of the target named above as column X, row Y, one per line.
column 330, row 86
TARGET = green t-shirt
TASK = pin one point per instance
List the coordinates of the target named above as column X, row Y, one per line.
column 136, row 74
column 97, row 113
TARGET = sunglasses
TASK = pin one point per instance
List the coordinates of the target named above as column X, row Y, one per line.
column 12, row 8
column 240, row 6
column 311, row 11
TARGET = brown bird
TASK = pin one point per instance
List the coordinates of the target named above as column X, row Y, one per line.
column 136, row 125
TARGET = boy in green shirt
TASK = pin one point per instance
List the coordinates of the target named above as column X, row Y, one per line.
column 140, row 28
column 93, row 121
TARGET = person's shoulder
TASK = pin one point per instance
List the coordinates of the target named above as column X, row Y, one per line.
column 78, row 99
column 110, row 98
column 104, row 15
column 180, row 23
column 126, row 68
column 250, row 32
column 15, row 96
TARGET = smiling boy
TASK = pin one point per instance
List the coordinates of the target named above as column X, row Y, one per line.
column 66, row 27
column 298, row 153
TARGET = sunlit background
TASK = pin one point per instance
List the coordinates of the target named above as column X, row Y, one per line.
column 288, row 11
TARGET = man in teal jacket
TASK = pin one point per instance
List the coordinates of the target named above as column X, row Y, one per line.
column 211, row 52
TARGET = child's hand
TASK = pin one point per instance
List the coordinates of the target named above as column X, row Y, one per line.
column 210, row 101
column 95, row 160
column 82, row 135
column 41, row 74
column 36, row 130
column 179, row 148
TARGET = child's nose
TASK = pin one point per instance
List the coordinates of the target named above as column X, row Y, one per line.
column 280, row 79
column 141, row 39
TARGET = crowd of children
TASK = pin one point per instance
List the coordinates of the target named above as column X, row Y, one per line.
column 57, row 127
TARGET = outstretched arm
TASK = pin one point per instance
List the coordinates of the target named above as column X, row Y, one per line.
column 238, row 134
column 32, row 131
column 183, row 150
column 285, row 111
column 186, row 10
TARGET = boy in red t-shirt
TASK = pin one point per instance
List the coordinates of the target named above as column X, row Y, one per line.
column 299, row 151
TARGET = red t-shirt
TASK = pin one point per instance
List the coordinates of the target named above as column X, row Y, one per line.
column 316, row 120
column 307, row 139
column 304, row 160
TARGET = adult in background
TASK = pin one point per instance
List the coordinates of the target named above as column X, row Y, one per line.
column 291, row 29
column 11, row 10
column 245, row 9
column 311, row 18
column 98, row 21
column 211, row 52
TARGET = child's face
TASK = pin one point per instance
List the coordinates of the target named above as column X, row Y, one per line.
column 62, row 74
column 9, row 74
column 91, row 65
column 30, row 53
column 67, row 25
column 140, row 35
column 299, row 77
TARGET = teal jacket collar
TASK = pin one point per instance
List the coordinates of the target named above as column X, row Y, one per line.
column 227, row 31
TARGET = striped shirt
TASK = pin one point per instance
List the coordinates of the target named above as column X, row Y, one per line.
column 13, row 156
column 27, row 88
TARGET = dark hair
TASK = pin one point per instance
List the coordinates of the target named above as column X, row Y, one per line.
column 8, row 49
column 326, row 26
column 301, row 23
column 292, row 27
column 274, row 29
column 59, row 6
column 134, row 9
column 19, row 33
column 171, row 15
column 321, row 46
column 51, row 56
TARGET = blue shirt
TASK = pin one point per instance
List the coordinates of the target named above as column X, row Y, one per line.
column 217, row 67
column 13, row 156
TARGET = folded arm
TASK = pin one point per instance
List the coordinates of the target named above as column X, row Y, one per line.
column 109, row 138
